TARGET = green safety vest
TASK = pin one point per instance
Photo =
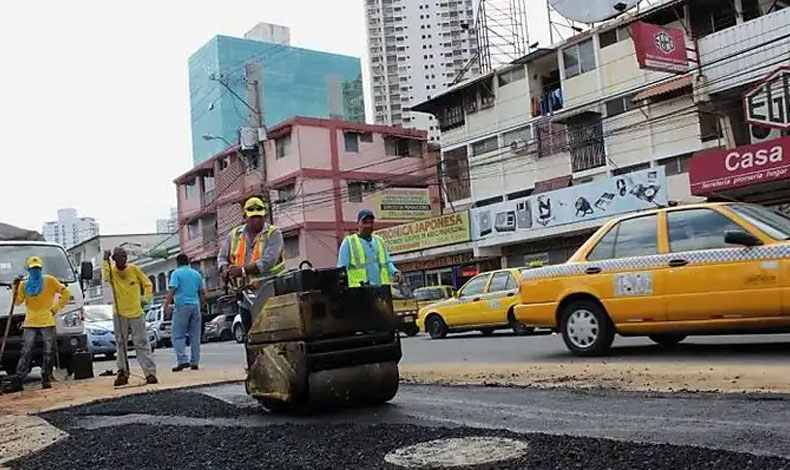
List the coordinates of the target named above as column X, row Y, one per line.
column 238, row 251
column 357, row 272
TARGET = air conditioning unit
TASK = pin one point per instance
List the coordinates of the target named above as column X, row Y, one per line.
column 520, row 147
column 759, row 134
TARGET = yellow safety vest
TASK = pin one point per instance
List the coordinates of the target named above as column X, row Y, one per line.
column 357, row 272
column 238, row 250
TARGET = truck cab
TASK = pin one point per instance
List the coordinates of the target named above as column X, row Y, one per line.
column 69, row 323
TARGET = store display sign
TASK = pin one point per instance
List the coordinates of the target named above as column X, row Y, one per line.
column 768, row 103
column 646, row 189
column 722, row 169
column 403, row 204
column 428, row 233
column 659, row 48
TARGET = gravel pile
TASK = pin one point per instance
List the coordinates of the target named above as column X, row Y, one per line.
column 346, row 446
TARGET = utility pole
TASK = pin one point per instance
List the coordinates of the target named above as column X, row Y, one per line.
column 253, row 77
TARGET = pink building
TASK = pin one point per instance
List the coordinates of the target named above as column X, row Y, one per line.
column 319, row 174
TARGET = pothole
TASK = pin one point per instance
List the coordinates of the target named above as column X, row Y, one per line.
column 457, row 452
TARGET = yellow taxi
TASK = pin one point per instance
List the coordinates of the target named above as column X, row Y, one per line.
column 406, row 307
column 431, row 294
column 718, row 268
column 485, row 303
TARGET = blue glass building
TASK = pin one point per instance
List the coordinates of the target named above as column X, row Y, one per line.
column 296, row 82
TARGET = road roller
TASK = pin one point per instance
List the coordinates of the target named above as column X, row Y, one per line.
column 317, row 344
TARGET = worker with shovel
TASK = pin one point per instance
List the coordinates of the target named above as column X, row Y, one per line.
column 43, row 296
column 126, row 281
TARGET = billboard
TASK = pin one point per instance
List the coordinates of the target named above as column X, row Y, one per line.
column 428, row 233
column 659, row 48
column 723, row 169
column 646, row 189
column 403, row 204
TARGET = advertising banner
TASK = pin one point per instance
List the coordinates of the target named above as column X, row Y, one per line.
column 659, row 48
column 646, row 189
column 403, row 204
column 428, row 233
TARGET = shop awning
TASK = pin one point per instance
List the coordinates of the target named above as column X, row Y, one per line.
column 665, row 87
column 552, row 184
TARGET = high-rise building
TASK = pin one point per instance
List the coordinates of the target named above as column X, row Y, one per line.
column 231, row 77
column 169, row 225
column 417, row 49
column 70, row 230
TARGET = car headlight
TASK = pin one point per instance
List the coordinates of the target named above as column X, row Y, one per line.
column 72, row 319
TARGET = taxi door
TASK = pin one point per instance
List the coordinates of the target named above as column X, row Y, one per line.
column 623, row 271
column 500, row 295
column 467, row 306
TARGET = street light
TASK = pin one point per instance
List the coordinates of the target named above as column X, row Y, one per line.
column 216, row 137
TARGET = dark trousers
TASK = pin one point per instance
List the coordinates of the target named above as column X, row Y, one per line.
column 49, row 337
column 249, row 313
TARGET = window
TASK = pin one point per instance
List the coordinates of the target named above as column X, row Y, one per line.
column 709, row 127
column 774, row 223
column 630, row 169
column 607, row 38
column 291, row 247
column 161, row 282
column 631, row 237
column 512, row 75
column 501, row 281
column 585, row 139
column 351, row 140
column 282, row 146
column 357, row 189
column 286, row 193
column 522, row 134
column 189, row 190
column 366, row 137
column 620, row 105
column 484, row 146
column 474, row 286
column 579, row 58
column 192, row 231
column 675, row 165
column 698, row 229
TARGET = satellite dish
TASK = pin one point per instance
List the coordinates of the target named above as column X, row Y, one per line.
column 591, row 11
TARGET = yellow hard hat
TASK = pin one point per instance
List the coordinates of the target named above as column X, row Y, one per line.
column 254, row 207
column 34, row 262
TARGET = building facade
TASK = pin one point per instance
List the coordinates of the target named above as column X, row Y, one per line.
column 169, row 225
column 544, row 150
column 417, row 48
column 229, row 77
column 318, row 174
column 69, row 229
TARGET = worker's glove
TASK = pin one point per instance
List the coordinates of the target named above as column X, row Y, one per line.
column 18, row 280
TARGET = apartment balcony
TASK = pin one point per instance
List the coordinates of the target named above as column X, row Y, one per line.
column 207, row 198
column 745, row 52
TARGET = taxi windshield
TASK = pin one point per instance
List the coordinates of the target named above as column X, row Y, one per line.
column 775, row 224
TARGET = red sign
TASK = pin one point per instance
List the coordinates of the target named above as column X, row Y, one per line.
column 659, row 48
column 747, row 165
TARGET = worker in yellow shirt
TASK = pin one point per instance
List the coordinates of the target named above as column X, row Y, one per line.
column 127, row 281
column 43, row 296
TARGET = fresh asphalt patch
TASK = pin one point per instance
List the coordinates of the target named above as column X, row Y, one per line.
column 189, row 430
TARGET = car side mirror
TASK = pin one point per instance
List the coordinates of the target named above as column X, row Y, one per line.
column 86, row 271
column 738, row 237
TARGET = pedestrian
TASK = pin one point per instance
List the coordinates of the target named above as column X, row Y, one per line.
column 186, row 287
column 127, row 281
column 365, row 256
column 44, row 296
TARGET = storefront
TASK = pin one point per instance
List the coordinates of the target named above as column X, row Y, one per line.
column 757, row 173
column 449, row 270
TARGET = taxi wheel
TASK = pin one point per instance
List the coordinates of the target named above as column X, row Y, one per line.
column 436, row 327
column 487, row 331
column 586, row 328
column 667, row 340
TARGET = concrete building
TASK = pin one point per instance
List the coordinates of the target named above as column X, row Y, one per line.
column 319, row 174
column 417, row 49
column 169, row 225
column 278, row 80
column 544, row 150
column 69, row 229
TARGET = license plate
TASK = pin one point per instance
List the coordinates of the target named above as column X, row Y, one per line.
column 408, row 318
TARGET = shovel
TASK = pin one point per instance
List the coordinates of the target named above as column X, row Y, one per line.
column 59, row 374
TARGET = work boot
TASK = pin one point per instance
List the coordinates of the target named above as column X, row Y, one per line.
column 194, row 367
column 121, row 379
column 45, row 382
column 14, row 386
column 180, row 367
column 151, row 379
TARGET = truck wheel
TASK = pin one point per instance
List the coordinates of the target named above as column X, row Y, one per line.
column 667, row 340
column 518, row 327
column 238, row 333
column 436, row 327
column 586, row 328
column 410, row 329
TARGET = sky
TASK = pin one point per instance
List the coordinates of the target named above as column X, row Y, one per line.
column 95, row 97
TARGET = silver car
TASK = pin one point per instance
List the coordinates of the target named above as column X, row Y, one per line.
column 161, row 328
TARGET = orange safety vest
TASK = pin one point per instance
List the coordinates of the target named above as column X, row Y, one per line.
column 238, row 249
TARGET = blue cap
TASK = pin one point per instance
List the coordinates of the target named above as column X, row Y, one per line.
column 365, row 213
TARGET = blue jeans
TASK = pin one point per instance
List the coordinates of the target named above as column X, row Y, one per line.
column 186, row 320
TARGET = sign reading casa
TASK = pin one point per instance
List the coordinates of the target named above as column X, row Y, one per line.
column 428, row 233
column 719, row 170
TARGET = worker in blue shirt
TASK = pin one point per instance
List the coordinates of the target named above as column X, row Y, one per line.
column 365, row 256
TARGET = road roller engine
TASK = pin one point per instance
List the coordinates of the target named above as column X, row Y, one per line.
column 317, row 343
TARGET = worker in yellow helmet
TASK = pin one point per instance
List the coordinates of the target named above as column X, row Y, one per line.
column 365, row 256
column 253, row 251
column 43, row 296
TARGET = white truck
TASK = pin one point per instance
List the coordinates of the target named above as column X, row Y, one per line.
column 16, row 246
